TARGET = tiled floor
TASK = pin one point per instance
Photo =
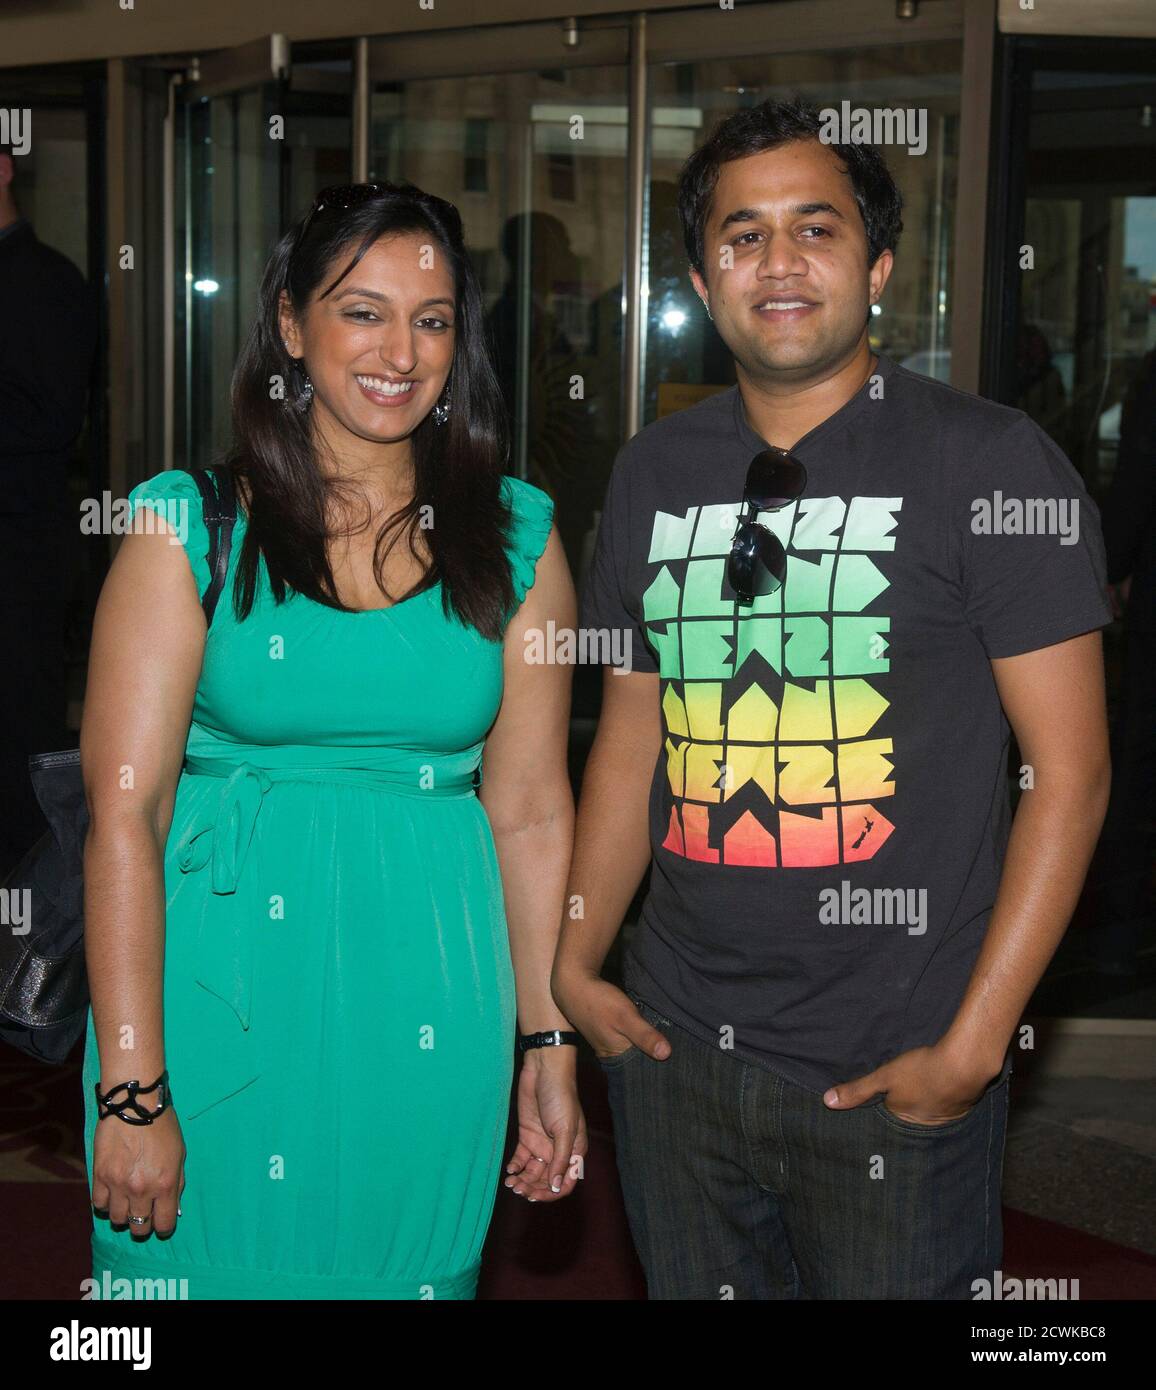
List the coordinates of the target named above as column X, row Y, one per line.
column 1081, row 1154
column 1082, row 1135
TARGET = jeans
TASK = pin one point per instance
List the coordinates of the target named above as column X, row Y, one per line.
column 740, row 1184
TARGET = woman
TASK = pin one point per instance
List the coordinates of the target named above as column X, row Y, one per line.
column 339, row 915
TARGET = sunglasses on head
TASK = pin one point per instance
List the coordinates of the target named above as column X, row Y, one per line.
column 339, row 196
column 343, row 195
column 758, row 560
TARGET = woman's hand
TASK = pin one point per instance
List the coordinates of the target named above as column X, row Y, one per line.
column 552, row 1137
column 139, row 1170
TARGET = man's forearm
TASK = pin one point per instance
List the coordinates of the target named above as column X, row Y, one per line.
column 611, row 854
column 1050, row 847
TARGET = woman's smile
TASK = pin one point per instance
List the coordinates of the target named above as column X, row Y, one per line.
column 381, row 391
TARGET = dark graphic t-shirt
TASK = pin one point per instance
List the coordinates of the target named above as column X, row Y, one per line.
column 830, row 810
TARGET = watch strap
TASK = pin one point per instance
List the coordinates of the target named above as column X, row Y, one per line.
column 556, row 1038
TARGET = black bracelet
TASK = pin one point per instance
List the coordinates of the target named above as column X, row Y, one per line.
column 555, row 1039
column 133, row 1089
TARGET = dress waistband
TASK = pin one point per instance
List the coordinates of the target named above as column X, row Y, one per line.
column 220, row 837
column 456, row 775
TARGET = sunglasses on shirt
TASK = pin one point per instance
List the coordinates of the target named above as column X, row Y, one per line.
column 758, row 560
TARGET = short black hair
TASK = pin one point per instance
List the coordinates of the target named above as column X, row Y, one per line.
column 765, row 127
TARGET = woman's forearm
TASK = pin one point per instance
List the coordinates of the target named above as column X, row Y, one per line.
column 535, row 861
column 124, row 945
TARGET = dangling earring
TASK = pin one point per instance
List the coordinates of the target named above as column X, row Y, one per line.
column 441, row 413
column 303, row 387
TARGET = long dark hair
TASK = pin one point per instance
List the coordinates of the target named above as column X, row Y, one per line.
column 765, row 127
column 458, row 466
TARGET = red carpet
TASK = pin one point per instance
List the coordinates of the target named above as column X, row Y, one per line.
column 576, row 1249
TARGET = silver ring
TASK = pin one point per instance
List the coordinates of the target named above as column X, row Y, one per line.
column 138, row 1220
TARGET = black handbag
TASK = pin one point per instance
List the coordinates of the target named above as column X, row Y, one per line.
column 44, row 995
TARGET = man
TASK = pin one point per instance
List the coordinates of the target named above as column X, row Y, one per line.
column 808, row 1069
column 47, row 340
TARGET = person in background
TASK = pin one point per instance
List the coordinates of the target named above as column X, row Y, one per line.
column 47, row 342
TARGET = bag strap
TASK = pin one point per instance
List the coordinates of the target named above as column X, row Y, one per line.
column 219, row 505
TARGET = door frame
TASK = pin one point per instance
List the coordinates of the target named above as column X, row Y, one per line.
column 638, row 40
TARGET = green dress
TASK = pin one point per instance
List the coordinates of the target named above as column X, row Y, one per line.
column 338, row 992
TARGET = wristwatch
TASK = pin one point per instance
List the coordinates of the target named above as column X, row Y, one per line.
column 555, row 1039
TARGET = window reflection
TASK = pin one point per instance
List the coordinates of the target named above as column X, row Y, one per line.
column 535, row 164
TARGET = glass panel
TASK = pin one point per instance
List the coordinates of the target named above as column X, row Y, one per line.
column 1078, row 362
column 232, row 215
column 542, row 199
column 236, row 190
column 1087, row 310
column 319, row 130
column 685, row 358
column 52, row 184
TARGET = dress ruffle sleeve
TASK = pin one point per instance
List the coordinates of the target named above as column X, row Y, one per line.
column 533, row 514
column 175, row 498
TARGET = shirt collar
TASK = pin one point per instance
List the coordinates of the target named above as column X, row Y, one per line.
column 13, row 227
column 752, row 440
